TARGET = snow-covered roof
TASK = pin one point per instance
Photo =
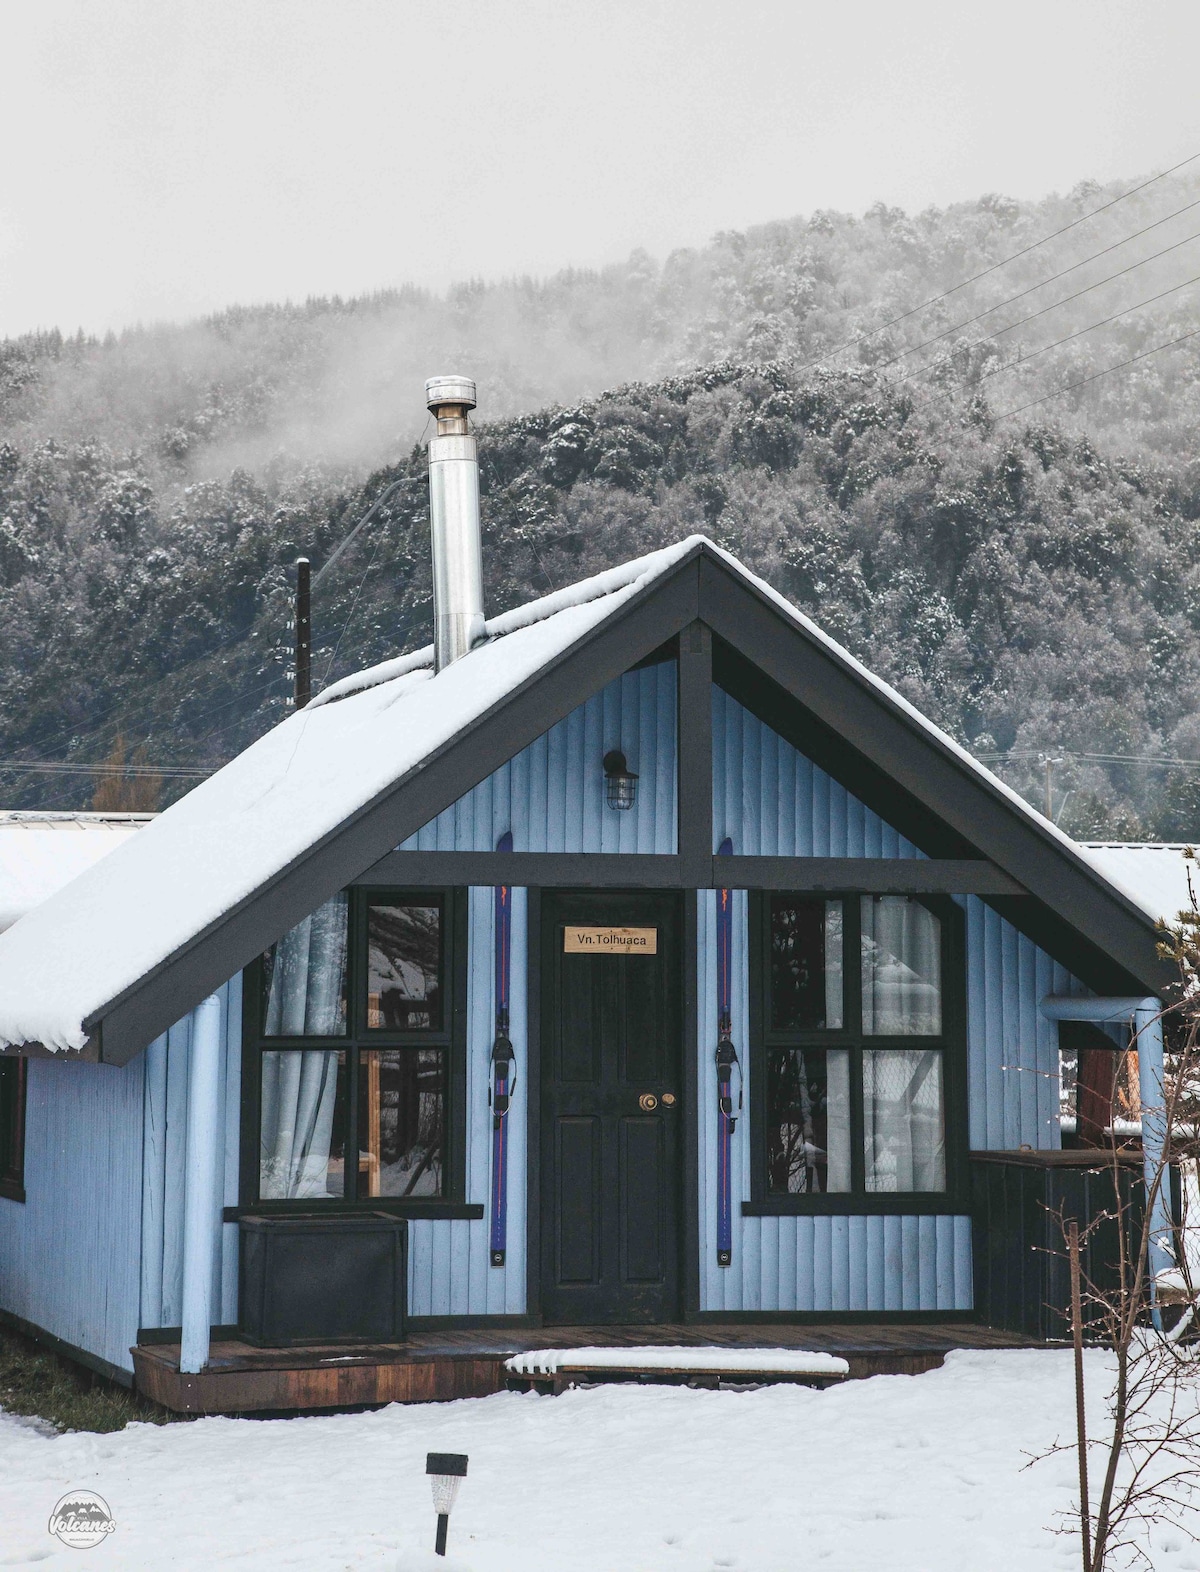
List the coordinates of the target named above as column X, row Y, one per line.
column 272, row 803
column 1153, row 874
column 42, row 852
column 310, row 776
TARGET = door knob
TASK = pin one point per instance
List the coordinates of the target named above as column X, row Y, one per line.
column 648, row 1102
column 668, row 1099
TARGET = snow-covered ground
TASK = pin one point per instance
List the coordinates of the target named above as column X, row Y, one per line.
column 915, row 1474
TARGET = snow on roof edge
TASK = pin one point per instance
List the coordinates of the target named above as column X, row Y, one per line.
column 606, row 582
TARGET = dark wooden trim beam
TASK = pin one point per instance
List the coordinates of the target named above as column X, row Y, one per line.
column 872, row 875
column 694, row 755
column 473, row 1210
column 544, row 870
column 598, row 870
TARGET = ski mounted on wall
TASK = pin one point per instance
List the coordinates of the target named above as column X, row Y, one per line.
column 503, row 1080
column 726, row 1059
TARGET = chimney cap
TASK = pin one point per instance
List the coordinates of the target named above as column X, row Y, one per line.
column 450, row 390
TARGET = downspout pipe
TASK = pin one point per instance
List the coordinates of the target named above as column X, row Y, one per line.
column 1146, row 1016
column 201, row 1203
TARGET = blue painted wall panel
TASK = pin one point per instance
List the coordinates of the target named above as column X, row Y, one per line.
column 773, row 802
column 1012, row 1049
column 449, row 1268
column 70, row 1254
column 164, row 1166
column 551, row 794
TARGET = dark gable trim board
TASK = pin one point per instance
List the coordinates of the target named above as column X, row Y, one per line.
column 768, row 662
column 173, row 987
column 1109, row 927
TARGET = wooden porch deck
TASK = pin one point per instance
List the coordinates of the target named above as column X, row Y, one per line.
column 436, row 1366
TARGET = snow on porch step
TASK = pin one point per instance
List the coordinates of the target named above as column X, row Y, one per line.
column 561, row 1365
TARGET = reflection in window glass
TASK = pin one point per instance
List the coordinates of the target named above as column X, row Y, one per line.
column 806, row 964
column 304, row 976
column 404, row 944
column 401, row 1113
column 903, row 1119
column 302, row 1125
column 808, row 1121
column 901, row 968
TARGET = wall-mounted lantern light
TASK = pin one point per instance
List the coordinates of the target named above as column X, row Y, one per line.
column 620, row 780
column 446, row 1471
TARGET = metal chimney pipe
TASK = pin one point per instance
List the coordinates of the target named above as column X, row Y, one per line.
column 454, row 521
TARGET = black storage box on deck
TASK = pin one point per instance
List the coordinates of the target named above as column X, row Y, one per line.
column 1018, row 1199
column 313, row 1278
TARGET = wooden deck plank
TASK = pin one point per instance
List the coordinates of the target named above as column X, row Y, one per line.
column 233, row 1354
column 438, row 1365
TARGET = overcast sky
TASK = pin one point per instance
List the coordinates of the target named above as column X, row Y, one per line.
column 164, row 158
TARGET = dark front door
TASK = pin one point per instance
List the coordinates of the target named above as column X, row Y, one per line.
column 611, row 1108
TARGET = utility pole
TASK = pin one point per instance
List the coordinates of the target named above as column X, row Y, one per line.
column 303, row 621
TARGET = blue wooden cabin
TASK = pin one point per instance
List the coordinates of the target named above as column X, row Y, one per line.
column 661, row 796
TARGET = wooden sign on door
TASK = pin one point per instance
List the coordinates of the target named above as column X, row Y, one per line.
column 610, row 941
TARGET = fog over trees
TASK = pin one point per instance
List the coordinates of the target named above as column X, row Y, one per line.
column 1032, row 582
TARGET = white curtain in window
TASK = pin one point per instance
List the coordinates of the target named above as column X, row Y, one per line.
column 837, row 1087
column 901, row 968
column 307, row 995
column 904, row 1126
column 307, row 998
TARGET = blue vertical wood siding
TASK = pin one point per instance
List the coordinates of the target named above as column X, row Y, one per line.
column 449, row 1268
column 1012, row 1048
column 69, row 1255
column 164, row 1167
column 551, row 794
column 773, row 802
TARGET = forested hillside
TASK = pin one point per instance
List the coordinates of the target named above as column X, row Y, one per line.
column 339, row 381
column 1032, row 581
column 1025, row 590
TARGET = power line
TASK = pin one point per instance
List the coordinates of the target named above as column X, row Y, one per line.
column 1041, row 312
column 61, row 767
column 1015, row 256
column 1070, row 387
column 1016, row 365
column 365, row 520
column 1029, row 755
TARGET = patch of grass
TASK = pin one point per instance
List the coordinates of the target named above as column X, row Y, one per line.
column 39, row 1384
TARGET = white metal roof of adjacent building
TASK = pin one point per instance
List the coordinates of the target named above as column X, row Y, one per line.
column 1152, row 873
column 42, row 852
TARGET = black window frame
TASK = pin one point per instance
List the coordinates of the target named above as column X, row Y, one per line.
column 359, row 1038
column 15, row 1078
column 952, row 1042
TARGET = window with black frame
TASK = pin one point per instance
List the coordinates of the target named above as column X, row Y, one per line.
column 852, row 1030
column 360, row 1067
column 12, row 1129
